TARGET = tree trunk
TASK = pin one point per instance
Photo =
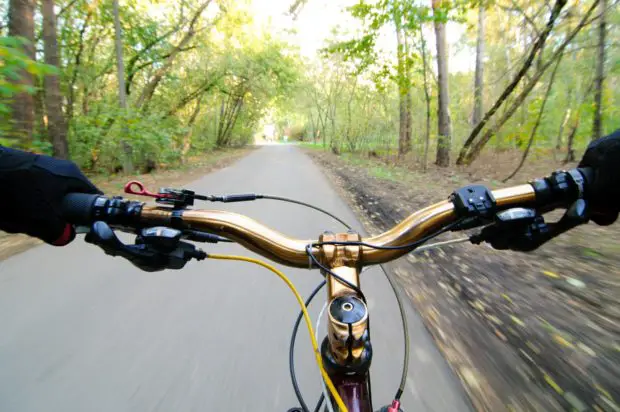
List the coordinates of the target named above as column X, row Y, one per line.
column 407, row 142
column 229, row 111
column 558, row 142
column 444, row 141
column 187, row 139
column 570, row 153
column 313, row 126
column 21, row 23
column 120, row 65
column 120, row 74
column 597, row 124
column 427, row 99
column 464, row 156
column 404, row 132
column 77, row 60
column 479, row 75
column 39, row 110
column 56, row 125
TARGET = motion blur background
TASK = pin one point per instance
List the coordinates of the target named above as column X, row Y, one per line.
column 398, row 102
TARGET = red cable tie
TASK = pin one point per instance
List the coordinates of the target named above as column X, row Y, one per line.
column 141, row 190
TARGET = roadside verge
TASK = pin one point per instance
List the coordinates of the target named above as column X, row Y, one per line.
column 524, row 332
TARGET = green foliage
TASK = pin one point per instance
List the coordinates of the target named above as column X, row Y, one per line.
column 181, row 62
column 95, row 140
column 13, row 63
column 218, row 82
column 508, row 38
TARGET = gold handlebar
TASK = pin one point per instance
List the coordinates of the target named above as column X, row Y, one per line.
column 292, row 252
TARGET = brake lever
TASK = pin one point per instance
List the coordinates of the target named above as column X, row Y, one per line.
column 524, row 230
column 156, row 249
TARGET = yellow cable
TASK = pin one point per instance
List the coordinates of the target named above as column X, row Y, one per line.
column 304, row 309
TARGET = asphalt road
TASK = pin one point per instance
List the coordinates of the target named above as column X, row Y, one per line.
column 81, row 331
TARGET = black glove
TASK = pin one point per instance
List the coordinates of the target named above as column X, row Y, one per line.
column 31, row 191
column 603, row 155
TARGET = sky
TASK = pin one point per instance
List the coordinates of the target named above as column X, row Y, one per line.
column 317, row 18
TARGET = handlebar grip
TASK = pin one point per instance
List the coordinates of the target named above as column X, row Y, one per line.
column 77, row 208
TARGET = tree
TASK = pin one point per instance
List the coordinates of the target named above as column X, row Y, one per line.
column 479, row 73
column 56, row 125
column 120, row 69
column 597, row 123
column 427, row 99
column 444, row 141
column 403, row 80
column 21, row 24
column 468, row 153
column 149, row 88
column 404, row 17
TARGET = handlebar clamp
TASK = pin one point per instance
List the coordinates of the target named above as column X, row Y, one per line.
column 177, row 198
column 474, row 201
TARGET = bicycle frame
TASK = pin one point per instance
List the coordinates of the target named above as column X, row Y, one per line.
column 346, row 351
column 354, row 391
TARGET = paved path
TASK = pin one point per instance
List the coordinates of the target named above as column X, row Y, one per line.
column 81, row 331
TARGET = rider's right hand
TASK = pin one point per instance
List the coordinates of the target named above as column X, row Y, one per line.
column 603, row 156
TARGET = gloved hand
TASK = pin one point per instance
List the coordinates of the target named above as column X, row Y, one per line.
column 603, row 155
column 31, row 191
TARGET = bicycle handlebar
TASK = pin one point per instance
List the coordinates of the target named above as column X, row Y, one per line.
column 558, row 190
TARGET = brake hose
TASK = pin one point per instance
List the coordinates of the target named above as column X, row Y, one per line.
column 291, row 349
column 328, row 403
column 403, row 377
column 315, row 345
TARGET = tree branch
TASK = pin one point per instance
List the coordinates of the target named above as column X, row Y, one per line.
column 528, row 19
column 134, row 59
column 66, row 8
column 540, row 114
column 132, row 74
column 559, row 4
column 149, row 89
column 198, row 93
column 470, row 156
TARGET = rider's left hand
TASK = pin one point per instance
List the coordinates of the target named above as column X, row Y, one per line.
column 31, row 191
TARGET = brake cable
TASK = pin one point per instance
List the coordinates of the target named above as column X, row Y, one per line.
column 291, row 349
column 183, row 198
column 313, row 340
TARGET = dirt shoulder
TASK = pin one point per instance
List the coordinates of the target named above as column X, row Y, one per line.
column 113, row 185
column 536, row 331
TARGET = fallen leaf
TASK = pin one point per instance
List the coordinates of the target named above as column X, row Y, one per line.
column 551, row 274
column 562, row 341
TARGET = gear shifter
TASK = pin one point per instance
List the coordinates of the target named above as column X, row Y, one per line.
column 156, row 248
column 525, row 230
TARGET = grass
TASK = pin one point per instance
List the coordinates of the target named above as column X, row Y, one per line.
column 311, row 145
